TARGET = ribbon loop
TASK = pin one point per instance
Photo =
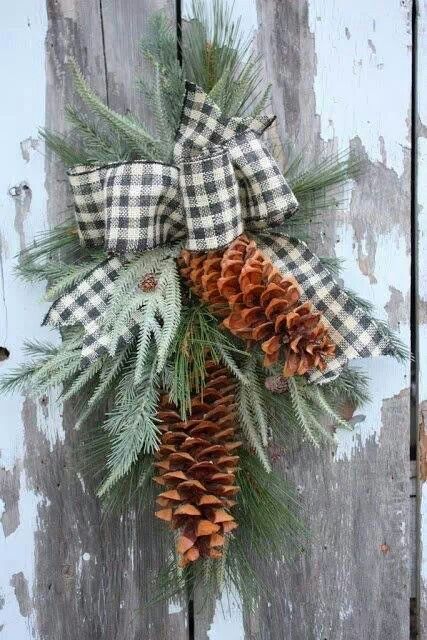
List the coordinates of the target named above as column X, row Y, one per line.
column 127, row 207
column 142, row 209
column 210, row 195
column 266, row 197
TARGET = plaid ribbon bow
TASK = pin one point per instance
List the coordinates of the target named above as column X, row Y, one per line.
column 224, row 181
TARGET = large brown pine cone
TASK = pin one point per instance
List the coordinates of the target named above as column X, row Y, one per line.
column 259, row 304
column 197, row 464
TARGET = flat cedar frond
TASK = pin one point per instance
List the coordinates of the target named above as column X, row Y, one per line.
column 131, row 423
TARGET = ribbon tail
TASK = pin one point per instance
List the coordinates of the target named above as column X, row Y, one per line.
column 355, row 334
column 97, row 342
column 85, row 304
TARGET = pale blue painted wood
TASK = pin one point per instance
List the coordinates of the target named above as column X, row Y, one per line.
column 22, row 111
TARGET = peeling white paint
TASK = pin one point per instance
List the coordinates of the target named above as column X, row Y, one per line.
column 228, row 620
column 174, row 607
column 371, row 84
column 22, row 111
column 388, row 377
column 361, row 74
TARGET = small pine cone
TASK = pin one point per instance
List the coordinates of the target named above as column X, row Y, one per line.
column 197, row 464
column 276, row 384
column 148, row 283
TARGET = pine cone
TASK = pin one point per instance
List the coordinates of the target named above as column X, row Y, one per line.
column 260, row 305
column 197, row 464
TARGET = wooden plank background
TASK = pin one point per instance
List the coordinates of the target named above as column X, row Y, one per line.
column 341, row 76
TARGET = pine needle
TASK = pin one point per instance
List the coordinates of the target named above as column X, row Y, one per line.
column 137, row 137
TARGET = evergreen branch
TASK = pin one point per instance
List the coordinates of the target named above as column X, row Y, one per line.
column 126, row 126
column 301, row 414
column 156, row 312
column 144, row 341
column 109, row 375
column 197, row 340
column 333, row 264
column 70, row 275
column 316, row 185
column 168, row 309
column 60, row 146
column 100, row 146
column 106, row 384
column 219, row 58
column 159, row 47
column 352, row 385
column 315, row 393
column 132, row 423
column 84, row 378
column 126, row 284
column 251, row 414
column 50, row 366
column 231, row 364
column 63, row 237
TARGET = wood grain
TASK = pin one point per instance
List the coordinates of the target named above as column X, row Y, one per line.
column 334, row 74
column 84, row 578
column 353, row 580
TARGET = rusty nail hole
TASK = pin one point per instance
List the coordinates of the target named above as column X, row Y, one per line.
column 4, row 353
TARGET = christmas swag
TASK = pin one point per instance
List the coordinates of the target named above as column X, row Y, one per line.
column 188, row 299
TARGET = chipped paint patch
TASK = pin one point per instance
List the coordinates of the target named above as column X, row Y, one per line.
column 364, row 66
column 9, row 495
column 228, row 620
column 20, row 587
column 174, row 607
column 27, row 146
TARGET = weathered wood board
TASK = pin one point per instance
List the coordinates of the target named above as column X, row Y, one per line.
column 421, row 264
column 65, row 574
column 340, row 75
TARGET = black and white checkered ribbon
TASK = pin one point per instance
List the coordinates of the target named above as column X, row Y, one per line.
column 224, row 181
